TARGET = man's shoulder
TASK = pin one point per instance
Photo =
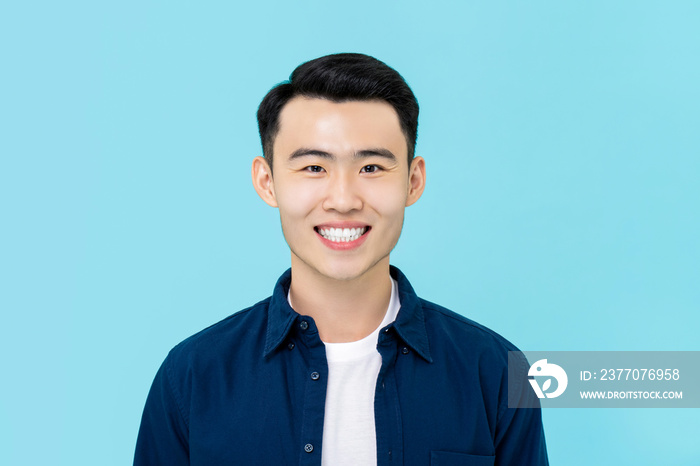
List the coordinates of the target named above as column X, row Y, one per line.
column 462, row 331
column 231, row 335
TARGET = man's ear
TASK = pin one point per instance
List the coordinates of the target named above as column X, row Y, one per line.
column 262, row 181
column 416, row 180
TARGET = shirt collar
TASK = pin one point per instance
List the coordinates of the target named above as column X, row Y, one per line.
column 409, row 324
column 280, row 315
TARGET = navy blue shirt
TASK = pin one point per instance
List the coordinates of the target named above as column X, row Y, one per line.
column 251, row 390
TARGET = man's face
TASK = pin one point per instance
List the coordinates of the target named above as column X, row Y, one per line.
column 341, row 183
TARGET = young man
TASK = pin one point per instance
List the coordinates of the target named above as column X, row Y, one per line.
column 343, row 364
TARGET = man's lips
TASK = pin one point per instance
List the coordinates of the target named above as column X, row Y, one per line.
column 346, row 235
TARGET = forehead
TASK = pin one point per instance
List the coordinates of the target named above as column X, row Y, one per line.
column 338, row 127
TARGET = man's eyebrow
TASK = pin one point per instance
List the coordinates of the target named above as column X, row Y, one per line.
column 306, row 152
column 362, row 154
column 378, row 152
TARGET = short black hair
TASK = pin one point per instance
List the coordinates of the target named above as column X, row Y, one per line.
column 341, row 77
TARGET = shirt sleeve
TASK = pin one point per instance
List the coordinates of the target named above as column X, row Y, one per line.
column 163, row 435
column 519, row 433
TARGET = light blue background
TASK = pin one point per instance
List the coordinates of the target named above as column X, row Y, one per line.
column 562, row 148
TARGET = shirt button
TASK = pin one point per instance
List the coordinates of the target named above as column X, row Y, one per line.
column 404, row 350
column 304, row 325
column 315, row 376
column 290, row 346
column 308, row 448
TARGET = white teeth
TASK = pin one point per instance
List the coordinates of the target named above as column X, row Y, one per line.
column 342, row 235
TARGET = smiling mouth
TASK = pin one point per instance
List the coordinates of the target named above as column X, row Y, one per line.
column 342, row 235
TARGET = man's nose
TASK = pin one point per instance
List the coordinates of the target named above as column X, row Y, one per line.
column 342, row 194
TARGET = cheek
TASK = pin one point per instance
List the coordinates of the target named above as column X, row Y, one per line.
column 390, row 202
column 296, row 201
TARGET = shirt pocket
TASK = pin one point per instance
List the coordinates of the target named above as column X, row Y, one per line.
column 451, row 458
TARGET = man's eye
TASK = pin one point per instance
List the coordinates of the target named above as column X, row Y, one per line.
column 370, row 169
column 314, row 169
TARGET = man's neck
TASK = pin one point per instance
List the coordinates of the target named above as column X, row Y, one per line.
column 344, row 310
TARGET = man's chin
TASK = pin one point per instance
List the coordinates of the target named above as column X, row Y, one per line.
column 335, row 272
column 344, row 270
column 347, row 272
column 342, row 273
